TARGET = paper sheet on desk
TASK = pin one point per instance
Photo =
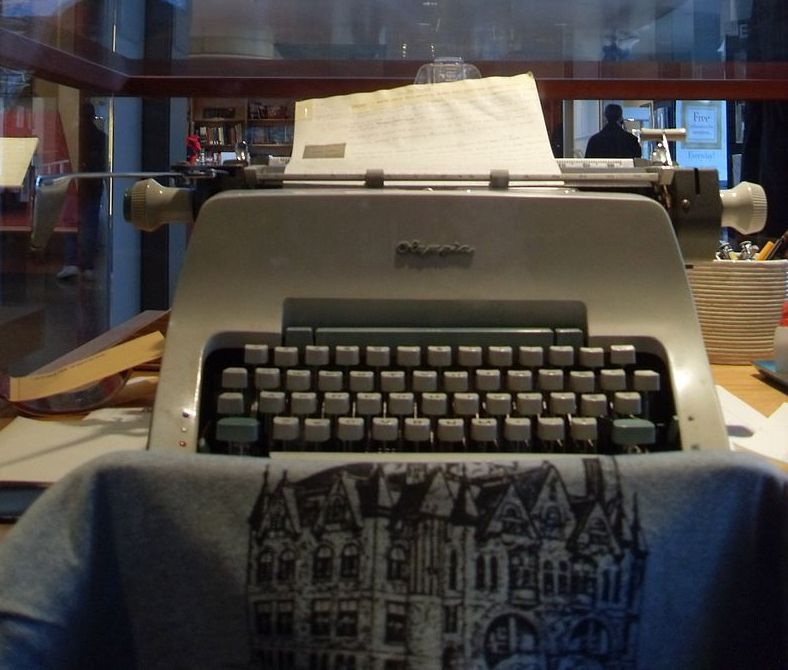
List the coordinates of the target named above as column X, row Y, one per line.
column 33, row 450
column 750, row 430
column 470, row 126
column 16, row 154
column 88, row 370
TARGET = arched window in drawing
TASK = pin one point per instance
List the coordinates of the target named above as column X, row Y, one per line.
column 584, row 578
column 337, row 509
column 552, row 521
column 548, row 578
column 454, row 570
column 480, row 571
column 397, row 566
column 286, row 567
column 563, row 577
column 511, row 520
column 493, row 573
column 349, row 561
column 322, row 568
column 597, row 531
column 522, row 569
column 265, row 566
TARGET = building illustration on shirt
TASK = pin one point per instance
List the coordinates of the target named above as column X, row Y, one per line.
column 437, row 566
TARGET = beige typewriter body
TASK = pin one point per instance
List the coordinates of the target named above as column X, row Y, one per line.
column 261, row 262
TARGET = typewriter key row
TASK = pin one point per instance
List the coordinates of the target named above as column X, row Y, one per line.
column 536, row 397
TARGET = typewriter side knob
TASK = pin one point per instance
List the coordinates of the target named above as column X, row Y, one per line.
column 149, row 205
column 744, row 207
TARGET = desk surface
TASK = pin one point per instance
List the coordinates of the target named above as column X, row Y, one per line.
column 749, row 385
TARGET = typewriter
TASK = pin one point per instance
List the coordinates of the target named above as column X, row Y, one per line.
column 385, row 318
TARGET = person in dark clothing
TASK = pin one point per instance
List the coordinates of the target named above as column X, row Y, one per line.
column 613, row 141
column 80, row 253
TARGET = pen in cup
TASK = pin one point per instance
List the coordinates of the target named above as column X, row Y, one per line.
column 779, row 248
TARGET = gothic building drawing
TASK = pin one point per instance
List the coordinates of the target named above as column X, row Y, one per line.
column 433, row 566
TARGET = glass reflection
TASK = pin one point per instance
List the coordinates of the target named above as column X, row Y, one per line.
column 705, row 40
column 700, row 31
column 611, row 30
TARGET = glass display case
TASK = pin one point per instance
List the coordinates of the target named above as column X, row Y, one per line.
column 150, row 71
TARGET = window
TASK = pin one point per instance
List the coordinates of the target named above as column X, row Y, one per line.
column 597, row 531
column 265, row 566
column 509, row 635
column 451, row 618
column 453, row 569
column 277, row 518
column 611, row 584
column 493, row 573
column 397, row 567
column 395, row 622
column 321, row 618
column 548, row 578
column 286, row 570
column 336, row 510
column 263, row 618
column 522, row 566
column 284, row 619
column 480, row 571
column 552, row 521
column 584, row 577
column 349, row 562
column 324, row 558
column 511, row 520
column 563, row 578
column 347, row 619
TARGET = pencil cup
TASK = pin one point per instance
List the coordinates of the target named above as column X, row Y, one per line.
column 738, row 305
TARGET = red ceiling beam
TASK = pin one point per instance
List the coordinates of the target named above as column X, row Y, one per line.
column 230, row 76
column 58, row 66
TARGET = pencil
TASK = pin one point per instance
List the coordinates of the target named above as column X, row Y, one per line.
column 763, row 254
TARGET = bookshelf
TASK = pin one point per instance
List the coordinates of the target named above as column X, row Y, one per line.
column 266, row 124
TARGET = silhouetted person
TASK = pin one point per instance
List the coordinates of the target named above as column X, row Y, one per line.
column 80, row 253
column 613, row 141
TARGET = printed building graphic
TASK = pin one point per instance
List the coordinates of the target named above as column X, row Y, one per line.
column 428, row 566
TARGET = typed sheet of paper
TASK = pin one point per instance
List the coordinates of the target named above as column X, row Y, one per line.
column 465, row 127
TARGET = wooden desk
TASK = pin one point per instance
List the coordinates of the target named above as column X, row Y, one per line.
column 747, row 384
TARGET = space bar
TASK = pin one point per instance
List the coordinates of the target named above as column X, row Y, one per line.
column 543, row 337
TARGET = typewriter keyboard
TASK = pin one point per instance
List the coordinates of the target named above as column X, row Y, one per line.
column 552, row 394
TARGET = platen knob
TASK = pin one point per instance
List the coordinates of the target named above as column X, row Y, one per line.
column 744, row 207
column 148, row 205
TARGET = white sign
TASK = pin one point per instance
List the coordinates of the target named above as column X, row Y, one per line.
column 706, row 145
